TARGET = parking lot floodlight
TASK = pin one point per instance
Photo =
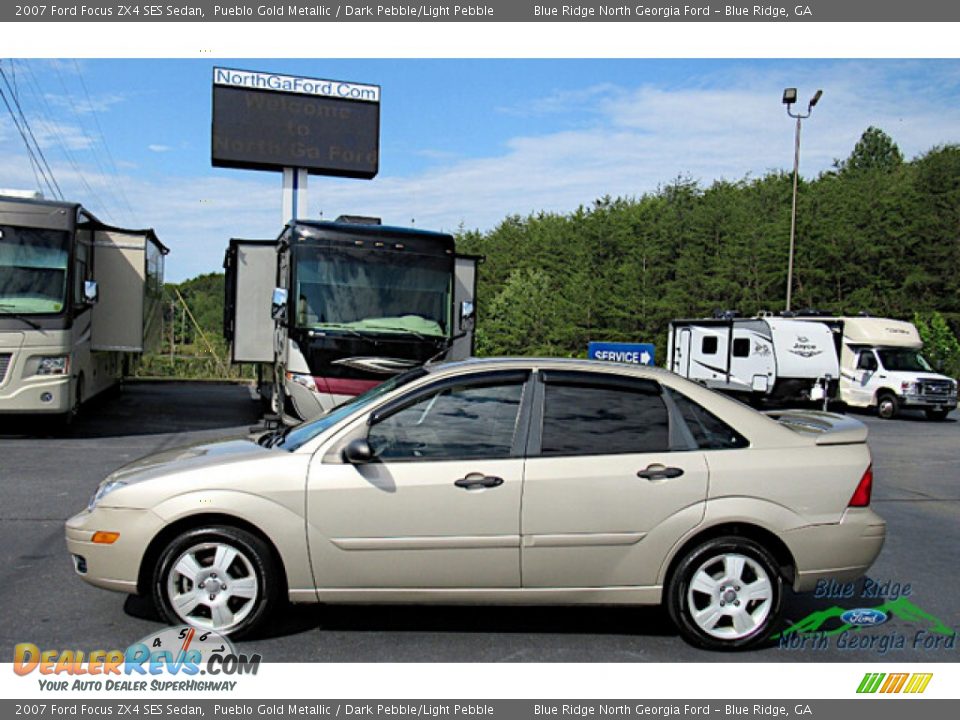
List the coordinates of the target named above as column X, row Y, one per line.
column 789, row 96
column 814, row 100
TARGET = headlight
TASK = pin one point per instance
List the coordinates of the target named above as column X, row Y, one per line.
column 106, row 487
column 54, row 365
column 306, row 380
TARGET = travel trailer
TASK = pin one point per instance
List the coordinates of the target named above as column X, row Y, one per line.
column 764, row 358
column 332, row 309
column 881, row 367
column 79, row 301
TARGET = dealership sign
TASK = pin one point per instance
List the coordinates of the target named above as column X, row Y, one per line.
column 632, row 353
column 270, row 121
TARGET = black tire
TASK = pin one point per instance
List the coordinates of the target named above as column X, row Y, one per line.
column 257, row 560
column 935, row 414
column 708, row 555
column 887, row 406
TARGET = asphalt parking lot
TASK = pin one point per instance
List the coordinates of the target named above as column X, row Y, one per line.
column 46, row 478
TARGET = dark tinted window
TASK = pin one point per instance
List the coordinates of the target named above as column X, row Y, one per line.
column 741, row 347
column 709, row 345
column 595, row 418
column 461, row 421
column 709, row 431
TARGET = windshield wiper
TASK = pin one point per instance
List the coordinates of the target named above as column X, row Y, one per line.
column 19, row 316
column 335, row 326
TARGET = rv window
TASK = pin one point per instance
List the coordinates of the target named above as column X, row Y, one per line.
column 710, row 432
column 709, row 345
column 867, row 361
column 741, row 347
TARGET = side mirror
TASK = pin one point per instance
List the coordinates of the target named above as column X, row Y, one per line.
column 358, row 452
column 91, row 292
column 467, row 313
column 278, row 306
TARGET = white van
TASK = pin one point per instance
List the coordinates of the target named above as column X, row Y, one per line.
column 779, row 358
column 881, row 367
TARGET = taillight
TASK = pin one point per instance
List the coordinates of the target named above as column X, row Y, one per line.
column 861, row 496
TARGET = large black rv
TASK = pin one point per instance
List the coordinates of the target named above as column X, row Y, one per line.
column 335, row 308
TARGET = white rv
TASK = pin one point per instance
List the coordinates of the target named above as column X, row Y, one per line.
column 881, row 367
column 768, row 357
column 78, row 300
column 329, row 310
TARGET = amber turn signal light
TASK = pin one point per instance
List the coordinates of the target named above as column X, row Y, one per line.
column 105, row 538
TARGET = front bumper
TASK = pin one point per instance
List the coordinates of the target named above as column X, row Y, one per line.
column 115, row 566
column 41, row 394
column 946, row 402
column 843, row 551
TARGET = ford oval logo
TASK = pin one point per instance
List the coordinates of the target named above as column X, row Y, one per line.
column 864, row 617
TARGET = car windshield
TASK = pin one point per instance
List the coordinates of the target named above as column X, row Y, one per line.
column 373, row 291
column 297, row 436
column 33, row 270
column 904, row 360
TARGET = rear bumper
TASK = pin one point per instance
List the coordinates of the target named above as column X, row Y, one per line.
column 841, row 552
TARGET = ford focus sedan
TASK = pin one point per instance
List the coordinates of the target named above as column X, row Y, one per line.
column 498, row 482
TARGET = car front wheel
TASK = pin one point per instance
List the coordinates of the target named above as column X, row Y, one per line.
column 217, row 578
column 887, row 406
column 725, row 594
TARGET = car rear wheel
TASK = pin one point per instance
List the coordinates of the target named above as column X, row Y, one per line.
column 217, row 578
column 887, row 406
column 725, row 594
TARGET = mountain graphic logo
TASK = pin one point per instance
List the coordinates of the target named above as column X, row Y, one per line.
column 831, row 621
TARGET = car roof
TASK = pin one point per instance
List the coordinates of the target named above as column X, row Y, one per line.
column 514, row 363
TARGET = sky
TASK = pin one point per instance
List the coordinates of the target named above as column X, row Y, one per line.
column 464, row 143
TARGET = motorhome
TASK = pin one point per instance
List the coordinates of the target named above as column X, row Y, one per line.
column 881, row 367
column 79, row 301
column 333, row 309
column 761, row 358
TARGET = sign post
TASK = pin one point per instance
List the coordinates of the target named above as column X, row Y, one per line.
column 294, row 194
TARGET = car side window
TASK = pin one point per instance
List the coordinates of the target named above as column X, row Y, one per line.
column 741, row 347
column 589, row 416
column 457, row 422
column 709, row 345
column 709, row 431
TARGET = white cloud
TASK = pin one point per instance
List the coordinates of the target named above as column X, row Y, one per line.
column 78, row 102
column 159, row 148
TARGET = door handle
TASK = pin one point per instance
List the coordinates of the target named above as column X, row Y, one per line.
column 478, row 480
column 656, row 471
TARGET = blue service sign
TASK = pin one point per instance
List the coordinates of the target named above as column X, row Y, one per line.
column 631, row 353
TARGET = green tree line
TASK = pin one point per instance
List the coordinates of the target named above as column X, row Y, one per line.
column 875, row 234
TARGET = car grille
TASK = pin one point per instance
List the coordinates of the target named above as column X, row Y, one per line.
column 939, row 388
column 4, row 364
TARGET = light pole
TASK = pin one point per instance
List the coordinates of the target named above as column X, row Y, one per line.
column 789, row 98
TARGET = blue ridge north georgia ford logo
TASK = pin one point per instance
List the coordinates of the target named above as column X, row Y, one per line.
column 864, row 617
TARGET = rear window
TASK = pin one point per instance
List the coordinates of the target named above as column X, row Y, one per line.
column 709, row 431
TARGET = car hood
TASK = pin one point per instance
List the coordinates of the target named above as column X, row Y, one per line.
column 190, row 458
